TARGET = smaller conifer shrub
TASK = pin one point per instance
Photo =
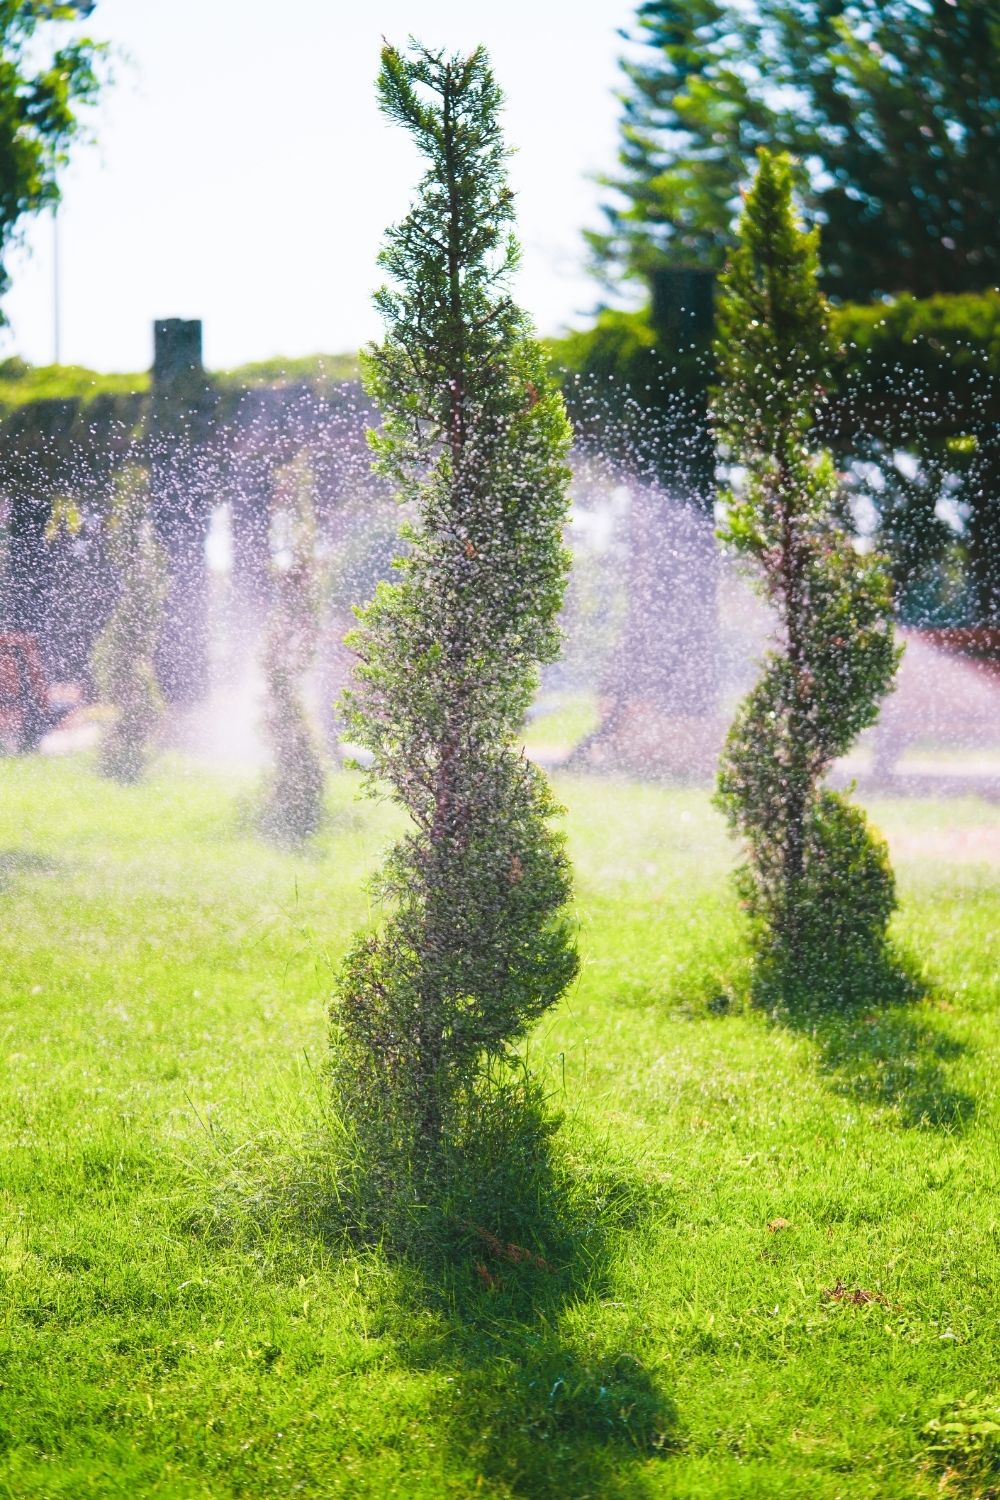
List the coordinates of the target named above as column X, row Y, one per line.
column 291, row 807
column 122, row 658
column 817, row 880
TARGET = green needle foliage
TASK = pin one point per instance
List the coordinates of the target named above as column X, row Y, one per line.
column 475, row 946
column 817, row 881
column 292, row 806
column 123, row 653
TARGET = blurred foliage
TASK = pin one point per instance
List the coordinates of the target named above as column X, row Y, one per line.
column 918, row 377
column 944, row 349
column 948, row 343
column 909, row 379
column 45, row 77
column 933, row 340
column 892, row 110
column 317, row 370
column 22, row 384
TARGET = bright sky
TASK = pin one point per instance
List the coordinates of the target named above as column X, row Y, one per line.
column 242, row 173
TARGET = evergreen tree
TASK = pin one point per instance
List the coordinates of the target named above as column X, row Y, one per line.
column 123, row 653
column 475, row 945
column 892, row 107
column 691, row 119
column 817, row 880
column 292, row 806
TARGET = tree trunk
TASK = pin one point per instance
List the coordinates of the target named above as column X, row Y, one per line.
column 660, row 695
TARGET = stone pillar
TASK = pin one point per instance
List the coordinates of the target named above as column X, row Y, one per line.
column 176, row 352
column 180, row 501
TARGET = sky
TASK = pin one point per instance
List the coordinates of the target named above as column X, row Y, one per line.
column 242, row 174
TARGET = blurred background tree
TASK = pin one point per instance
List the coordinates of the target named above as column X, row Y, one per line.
column 891, row 111
column 46, row 75
column 291, row 808
column 124, row 651
column 891, row 108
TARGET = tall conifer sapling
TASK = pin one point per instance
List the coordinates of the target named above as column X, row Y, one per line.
column 475, row 945
column 123, row 652
column 817, row 879
column 292, row 806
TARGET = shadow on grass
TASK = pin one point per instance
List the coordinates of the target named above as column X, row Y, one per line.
column 877, row 1045
column 551, row 1395
column 504, row 1289
column 895, row 1059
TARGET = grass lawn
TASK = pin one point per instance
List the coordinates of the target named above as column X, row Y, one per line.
column 783, row 1254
